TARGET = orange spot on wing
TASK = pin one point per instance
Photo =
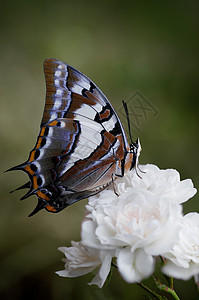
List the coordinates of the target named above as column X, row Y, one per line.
column 32, row 156
column 105, row 115
column 38, row 143
column 28, row 169
column 50, row 208
column 53, row 123
column 43, row 196
column 35, row 185
column 42, row 131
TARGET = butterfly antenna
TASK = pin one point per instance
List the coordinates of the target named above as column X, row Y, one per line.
column 128, row 120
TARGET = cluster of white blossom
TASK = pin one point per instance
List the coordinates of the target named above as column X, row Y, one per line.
column 144, row 220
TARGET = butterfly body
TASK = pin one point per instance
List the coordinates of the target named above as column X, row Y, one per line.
column 82, row 144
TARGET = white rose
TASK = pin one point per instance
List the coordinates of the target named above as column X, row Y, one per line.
column 137, row 219
column 136, row 225
column 183, row 258
column 140, row 223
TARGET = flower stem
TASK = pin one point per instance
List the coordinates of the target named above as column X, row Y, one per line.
column 164, row 287
column 153, row 293
column 171, row 282
column 168, row 279
column 114, row 265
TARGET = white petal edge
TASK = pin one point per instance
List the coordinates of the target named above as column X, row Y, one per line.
column 136, row 266
column 103, row 272
column 173, row 270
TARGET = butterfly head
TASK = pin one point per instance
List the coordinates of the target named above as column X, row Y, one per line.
column 135, row 149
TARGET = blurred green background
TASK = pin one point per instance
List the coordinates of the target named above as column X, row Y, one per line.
column 123, row 46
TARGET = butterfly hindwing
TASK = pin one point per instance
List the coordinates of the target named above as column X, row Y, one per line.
column 81, row 143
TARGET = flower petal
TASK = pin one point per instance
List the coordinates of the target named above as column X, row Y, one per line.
column 135, row 266
column 173, row 270
column 102, row 274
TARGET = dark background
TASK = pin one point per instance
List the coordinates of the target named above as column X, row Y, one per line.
column 151, row 47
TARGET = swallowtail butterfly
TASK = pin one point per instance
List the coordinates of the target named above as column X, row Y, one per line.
column 82, row 146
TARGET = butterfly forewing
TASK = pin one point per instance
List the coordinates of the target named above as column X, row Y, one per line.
column 81, row 143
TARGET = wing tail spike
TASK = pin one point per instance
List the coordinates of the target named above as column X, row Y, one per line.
column 24, row 186
column 28, row 194
column 39, row 206
column 18, row 167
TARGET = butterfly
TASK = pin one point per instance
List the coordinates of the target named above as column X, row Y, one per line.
column 82, row 146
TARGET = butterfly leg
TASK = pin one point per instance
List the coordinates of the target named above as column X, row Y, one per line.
column 113, row 178
column 141, row 170
column 137, row 168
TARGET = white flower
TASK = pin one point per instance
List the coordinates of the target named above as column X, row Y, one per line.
column 137, row 219
column 184, row 257
column 140, row 223
column 163, row 183
column 81, row 260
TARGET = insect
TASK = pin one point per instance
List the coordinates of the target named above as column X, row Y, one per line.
column 81, row 147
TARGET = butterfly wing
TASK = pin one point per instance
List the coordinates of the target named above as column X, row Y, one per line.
column 81, row 143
